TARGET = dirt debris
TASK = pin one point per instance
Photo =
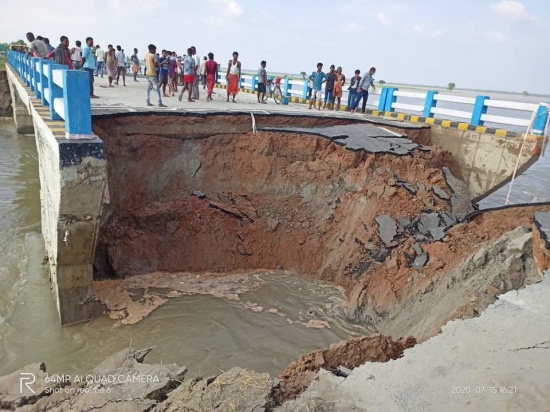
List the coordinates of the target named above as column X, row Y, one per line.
column 348, row 354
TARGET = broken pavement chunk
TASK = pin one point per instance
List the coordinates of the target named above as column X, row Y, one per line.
column 387, row 229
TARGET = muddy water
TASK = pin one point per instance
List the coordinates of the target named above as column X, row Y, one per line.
column 202, row 332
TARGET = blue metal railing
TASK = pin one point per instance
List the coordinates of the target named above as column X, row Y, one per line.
column 66, row 92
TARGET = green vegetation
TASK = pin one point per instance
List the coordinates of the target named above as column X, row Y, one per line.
column 381, row 82
column 451, row 86
column 3, row 48
column 525, row 93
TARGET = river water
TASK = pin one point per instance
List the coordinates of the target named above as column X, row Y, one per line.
column 202, row 332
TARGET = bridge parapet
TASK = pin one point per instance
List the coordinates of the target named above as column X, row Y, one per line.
column 65, row 92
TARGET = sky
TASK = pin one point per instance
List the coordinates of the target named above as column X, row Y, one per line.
column 476, row 44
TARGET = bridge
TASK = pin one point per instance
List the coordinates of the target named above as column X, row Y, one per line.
column 53, row 103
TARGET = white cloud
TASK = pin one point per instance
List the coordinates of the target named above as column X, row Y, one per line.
column 493, row 36
column 423, row 31
column 511, row 10
column 352, row 27
column 418, row 29
column 382, row 18
column 229, row 8
column 234, row 8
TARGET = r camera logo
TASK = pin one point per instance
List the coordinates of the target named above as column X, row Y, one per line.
column 26, row 379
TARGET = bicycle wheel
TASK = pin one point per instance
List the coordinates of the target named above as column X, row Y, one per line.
column 277, row 95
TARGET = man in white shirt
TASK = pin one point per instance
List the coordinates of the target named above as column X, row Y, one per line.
column 121, row 61
column 76, row 55
column 100, row 60
column 196, row 57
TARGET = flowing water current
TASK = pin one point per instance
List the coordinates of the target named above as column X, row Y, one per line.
column 204, row 333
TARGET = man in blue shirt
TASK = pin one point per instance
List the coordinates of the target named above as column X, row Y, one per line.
column 363, row 90
column 318, row 78
column 88, row 63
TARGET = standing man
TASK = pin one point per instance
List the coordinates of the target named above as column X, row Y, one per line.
column 37, row 48
column 164, row 66
column 338, row 86
column 363, row 92
column 88, row 63
column 203, row 72
column 151, row 75
column 211, row 75
column 61, row 54
column 197, row 60
column 189, row 75
column 352, row 90
column 233, row 76
column 329, row 88
column 121, row 62
column 135, row 61
column 48, row 45
column 262, row 82
column 318, row 77
column 172, row 74
column 76, row 55
column 100, row 60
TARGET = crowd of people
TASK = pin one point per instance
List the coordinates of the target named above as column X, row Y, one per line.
column 334, row 82
column 166, row 71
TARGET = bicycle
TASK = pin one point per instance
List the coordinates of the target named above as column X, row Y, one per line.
column 273, row 90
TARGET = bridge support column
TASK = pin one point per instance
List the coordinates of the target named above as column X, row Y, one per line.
column 73, row 178
column 21, row 116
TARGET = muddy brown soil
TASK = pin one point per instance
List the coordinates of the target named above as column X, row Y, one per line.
column 198, row 194
column 272, row 201
column 348, row 354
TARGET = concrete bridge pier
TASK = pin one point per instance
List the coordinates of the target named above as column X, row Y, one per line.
column 21, row 116
column 73, row 178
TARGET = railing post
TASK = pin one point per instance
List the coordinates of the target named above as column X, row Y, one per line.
column 44, row 81
column 254, row 81
column 38, row 78
column 241, row 82
column 382, row 101
column 541, row 119
column 479, row 110
column 78, row 111
column 287, row 86
column 34, row 75
column 26, row 71
column 390, row 99
column 56, row 91
column 305, row 90
column 430, row 103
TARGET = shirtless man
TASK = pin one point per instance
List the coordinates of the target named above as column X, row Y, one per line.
column 233, row 76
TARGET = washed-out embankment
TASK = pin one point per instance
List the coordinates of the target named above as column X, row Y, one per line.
column 392, row 225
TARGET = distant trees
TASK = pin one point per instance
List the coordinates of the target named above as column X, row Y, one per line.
column 451, row 86
column 525, row 93
column 381, row 82
column 4, row 46
column 303, row 75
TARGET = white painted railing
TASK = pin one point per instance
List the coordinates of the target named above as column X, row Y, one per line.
column 473, row 110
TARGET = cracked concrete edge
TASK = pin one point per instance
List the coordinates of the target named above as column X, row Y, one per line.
column 492, row 362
